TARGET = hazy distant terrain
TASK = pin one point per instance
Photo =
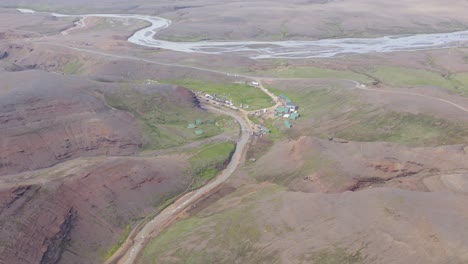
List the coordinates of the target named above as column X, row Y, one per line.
column 279, row 20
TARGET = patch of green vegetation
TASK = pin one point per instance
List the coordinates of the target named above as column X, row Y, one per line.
column 120, row 24
column 254, row 119
column 166, row 203
column 232, row 236
column 162, row 120
column 313, row 103
column 337, row 255
column 174, row 233
column 407, row 128
column 399, row 76
column 359, row 121
column 319, row 102
column 312, row 72
column 72, row 67
column 409, row 77
column 238, row 93
column 116, row 247
column 275, row 133
column 462, row 80
column 207, row 162
column 228, row 236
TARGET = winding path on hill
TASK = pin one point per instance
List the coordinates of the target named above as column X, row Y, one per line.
column 131, row 249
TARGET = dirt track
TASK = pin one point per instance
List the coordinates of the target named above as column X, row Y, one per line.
column 129, row 252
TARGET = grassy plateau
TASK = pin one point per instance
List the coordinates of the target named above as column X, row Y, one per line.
column 238, row 93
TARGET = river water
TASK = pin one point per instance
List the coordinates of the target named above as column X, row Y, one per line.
column 292, row 49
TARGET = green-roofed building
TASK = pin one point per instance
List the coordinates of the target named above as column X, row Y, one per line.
column 191, row 126
column 287, row 124
column 199, row 132
column 199, row 121
column 282, row 110
column 294, row 116
column 285, row 98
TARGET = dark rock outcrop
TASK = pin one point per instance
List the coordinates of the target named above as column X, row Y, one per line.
column 54, row 244
column 3, row 55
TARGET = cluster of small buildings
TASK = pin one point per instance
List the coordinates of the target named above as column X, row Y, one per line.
column 222, row 100
column 260, row 131
column 259, row 113
column 198, row 122
column 216, row 99
column 219, row 99
column 288, row 110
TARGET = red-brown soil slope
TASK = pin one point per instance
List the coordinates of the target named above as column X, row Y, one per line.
column 48, row 118
column 320, row 165
column 87, row 211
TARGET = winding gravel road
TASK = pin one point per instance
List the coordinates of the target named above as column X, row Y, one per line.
column 133, row 247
